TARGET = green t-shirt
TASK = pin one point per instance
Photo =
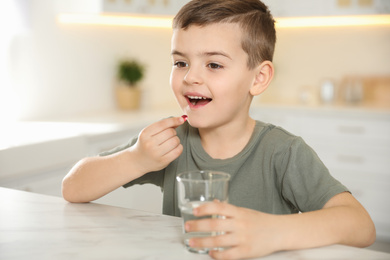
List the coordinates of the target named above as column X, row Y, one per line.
column 276, row 172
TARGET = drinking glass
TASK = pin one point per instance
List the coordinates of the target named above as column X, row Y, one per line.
column 194, row 189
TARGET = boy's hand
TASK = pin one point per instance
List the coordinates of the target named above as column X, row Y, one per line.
column 158, row 144
column 248, row 233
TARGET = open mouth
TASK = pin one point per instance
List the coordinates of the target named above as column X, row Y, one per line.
column 198, row 100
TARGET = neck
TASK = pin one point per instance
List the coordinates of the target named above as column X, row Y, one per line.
column 228, row 140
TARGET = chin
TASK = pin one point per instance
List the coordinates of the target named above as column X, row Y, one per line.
column 200, row 124
column 200, row 119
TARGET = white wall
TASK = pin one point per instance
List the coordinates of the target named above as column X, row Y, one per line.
column 306, row 56
column 64, row 70
column 70, row 69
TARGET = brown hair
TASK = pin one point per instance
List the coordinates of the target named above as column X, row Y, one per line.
column 253, row 17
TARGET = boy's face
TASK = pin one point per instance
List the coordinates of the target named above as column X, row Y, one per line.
column 210, row 77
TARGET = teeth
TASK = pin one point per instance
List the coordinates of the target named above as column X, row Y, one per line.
column 196, row 97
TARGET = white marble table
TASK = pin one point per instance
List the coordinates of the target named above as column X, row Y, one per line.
column 34, row 226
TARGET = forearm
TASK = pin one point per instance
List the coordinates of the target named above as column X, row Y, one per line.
column 343, row 224
column 94, row 177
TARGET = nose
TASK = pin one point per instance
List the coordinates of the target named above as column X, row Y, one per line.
column 193, row 76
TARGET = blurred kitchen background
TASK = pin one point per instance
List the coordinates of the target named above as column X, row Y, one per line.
column 58, row 63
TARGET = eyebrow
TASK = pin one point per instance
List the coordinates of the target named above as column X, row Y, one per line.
column 207, row 53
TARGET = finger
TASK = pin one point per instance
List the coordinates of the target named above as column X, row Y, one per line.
column 173, row 154
column 210, row 225
column 164, row 136
column 216, row 241
column 216, row 208
column 168, row 145
column 171, row 122
column 230, row 253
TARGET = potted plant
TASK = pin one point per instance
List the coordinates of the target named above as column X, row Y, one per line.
column 129, row 74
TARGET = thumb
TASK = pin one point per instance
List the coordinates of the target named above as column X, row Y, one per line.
column 180, row 120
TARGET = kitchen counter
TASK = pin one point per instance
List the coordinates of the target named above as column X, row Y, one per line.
column 35, row 226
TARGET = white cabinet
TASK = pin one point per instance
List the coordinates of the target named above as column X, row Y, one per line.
column 48, row 183
column 39, row 167
column 353, row 144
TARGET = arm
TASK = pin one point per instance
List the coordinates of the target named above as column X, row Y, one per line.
column 249, row 233
column 94, row 177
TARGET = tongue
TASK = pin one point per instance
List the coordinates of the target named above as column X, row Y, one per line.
column 203, row 101
column 200, row 102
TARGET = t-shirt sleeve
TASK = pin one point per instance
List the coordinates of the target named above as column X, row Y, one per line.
column 307, row 183
column 156, row 178
column 120, row 148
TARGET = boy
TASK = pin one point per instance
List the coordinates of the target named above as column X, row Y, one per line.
column 222, row 56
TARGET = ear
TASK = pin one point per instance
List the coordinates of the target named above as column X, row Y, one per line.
column 264, row 74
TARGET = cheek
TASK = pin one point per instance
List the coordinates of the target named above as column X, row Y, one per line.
column 244, row 84
column 232, row 88
column 174, row 81
column 171, row 78
column 237, row 91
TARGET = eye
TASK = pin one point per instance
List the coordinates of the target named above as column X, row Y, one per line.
column 214, row 66
column 180, row 64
